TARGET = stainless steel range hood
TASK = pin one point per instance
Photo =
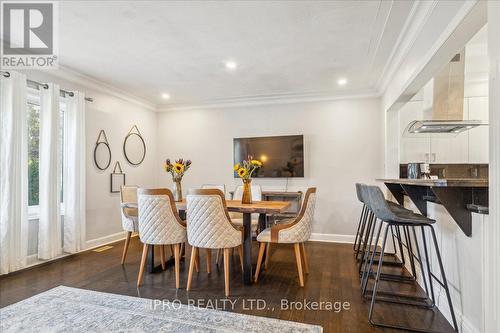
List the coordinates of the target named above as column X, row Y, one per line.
column 444, row 102
column 443, row 126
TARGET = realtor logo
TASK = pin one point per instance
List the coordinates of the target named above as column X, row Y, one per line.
column 29, row 34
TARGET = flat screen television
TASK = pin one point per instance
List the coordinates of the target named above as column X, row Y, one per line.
column 281, row 156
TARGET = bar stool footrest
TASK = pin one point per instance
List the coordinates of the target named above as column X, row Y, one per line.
column 423, row 302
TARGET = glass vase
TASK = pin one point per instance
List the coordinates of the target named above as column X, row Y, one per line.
column 247, row 192
column 177, row 190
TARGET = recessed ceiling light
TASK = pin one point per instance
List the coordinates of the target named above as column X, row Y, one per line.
column 231, row 65
column 342, row 82
column 165, row 96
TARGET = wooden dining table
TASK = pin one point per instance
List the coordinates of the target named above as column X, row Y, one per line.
column 262, row 208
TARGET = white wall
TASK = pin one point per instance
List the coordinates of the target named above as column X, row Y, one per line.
column 343, row 144
column 116, row 116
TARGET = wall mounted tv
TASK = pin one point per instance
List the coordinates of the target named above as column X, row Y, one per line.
column 282, row 156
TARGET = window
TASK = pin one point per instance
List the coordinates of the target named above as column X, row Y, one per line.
column 34, row 151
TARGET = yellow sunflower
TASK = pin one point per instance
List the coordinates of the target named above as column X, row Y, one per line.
column 179, row 168
column 257, row 163
column 242, row 172
column 236, row 167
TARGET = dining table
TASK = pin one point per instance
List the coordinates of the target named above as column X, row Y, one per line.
column 263, row 208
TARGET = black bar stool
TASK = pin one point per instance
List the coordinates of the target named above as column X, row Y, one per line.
column 405, row 243
column 364, row 235
column 376, row 202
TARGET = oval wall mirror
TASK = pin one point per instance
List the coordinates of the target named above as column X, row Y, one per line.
column 134, row 147
column 102, row 152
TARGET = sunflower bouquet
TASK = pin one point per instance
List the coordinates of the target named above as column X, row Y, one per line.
column 245, row 170
column 177, row 170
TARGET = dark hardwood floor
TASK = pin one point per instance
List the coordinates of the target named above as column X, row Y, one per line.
column 333, row 278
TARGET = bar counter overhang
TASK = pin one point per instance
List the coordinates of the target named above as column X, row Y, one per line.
column 460, row 196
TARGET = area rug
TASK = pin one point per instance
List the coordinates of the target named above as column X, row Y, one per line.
column 65, row 309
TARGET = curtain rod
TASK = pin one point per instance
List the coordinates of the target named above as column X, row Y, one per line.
column 46, row 86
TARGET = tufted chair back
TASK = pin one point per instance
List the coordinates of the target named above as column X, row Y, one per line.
column 300, row 230
column 159, row 221
column 128, row 195
column 208, row 222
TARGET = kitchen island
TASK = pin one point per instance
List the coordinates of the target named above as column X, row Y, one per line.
column 459, row 196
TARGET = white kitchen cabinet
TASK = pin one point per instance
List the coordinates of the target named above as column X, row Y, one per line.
column 478, row 137
column 414, row 148
column 450, row 149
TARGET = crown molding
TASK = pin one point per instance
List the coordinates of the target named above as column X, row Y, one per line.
column 416, row 20
column 84, row 80
column 275, row 99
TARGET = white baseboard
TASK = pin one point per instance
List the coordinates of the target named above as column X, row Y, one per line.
column 33, row 260
column 332, row 238
column 98, row 242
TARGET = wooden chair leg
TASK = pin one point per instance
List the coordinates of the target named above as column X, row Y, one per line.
column 183, row 245
column 192, row 262
column 125, row 247
column 217, row 257
column 304, row 257
column 177, row 258
column 172, row 253
column 268, row 254
column 262, row 248
column 197, row 262
column 143, row 264
column 226, row 271
column 299, row 263
column 240, row 253
column 162, row 256
column 209, row 261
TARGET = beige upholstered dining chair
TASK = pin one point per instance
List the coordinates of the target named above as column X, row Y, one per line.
column 128, row 195
column 296, row 231
column 209, row 227
column 160, row 224
column 221, row 187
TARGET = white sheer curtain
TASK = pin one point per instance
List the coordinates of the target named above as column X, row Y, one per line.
column 74, row 173
column 13, row 173
column 49, row 227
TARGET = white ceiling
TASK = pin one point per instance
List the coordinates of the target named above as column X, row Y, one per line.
column 284, row 48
